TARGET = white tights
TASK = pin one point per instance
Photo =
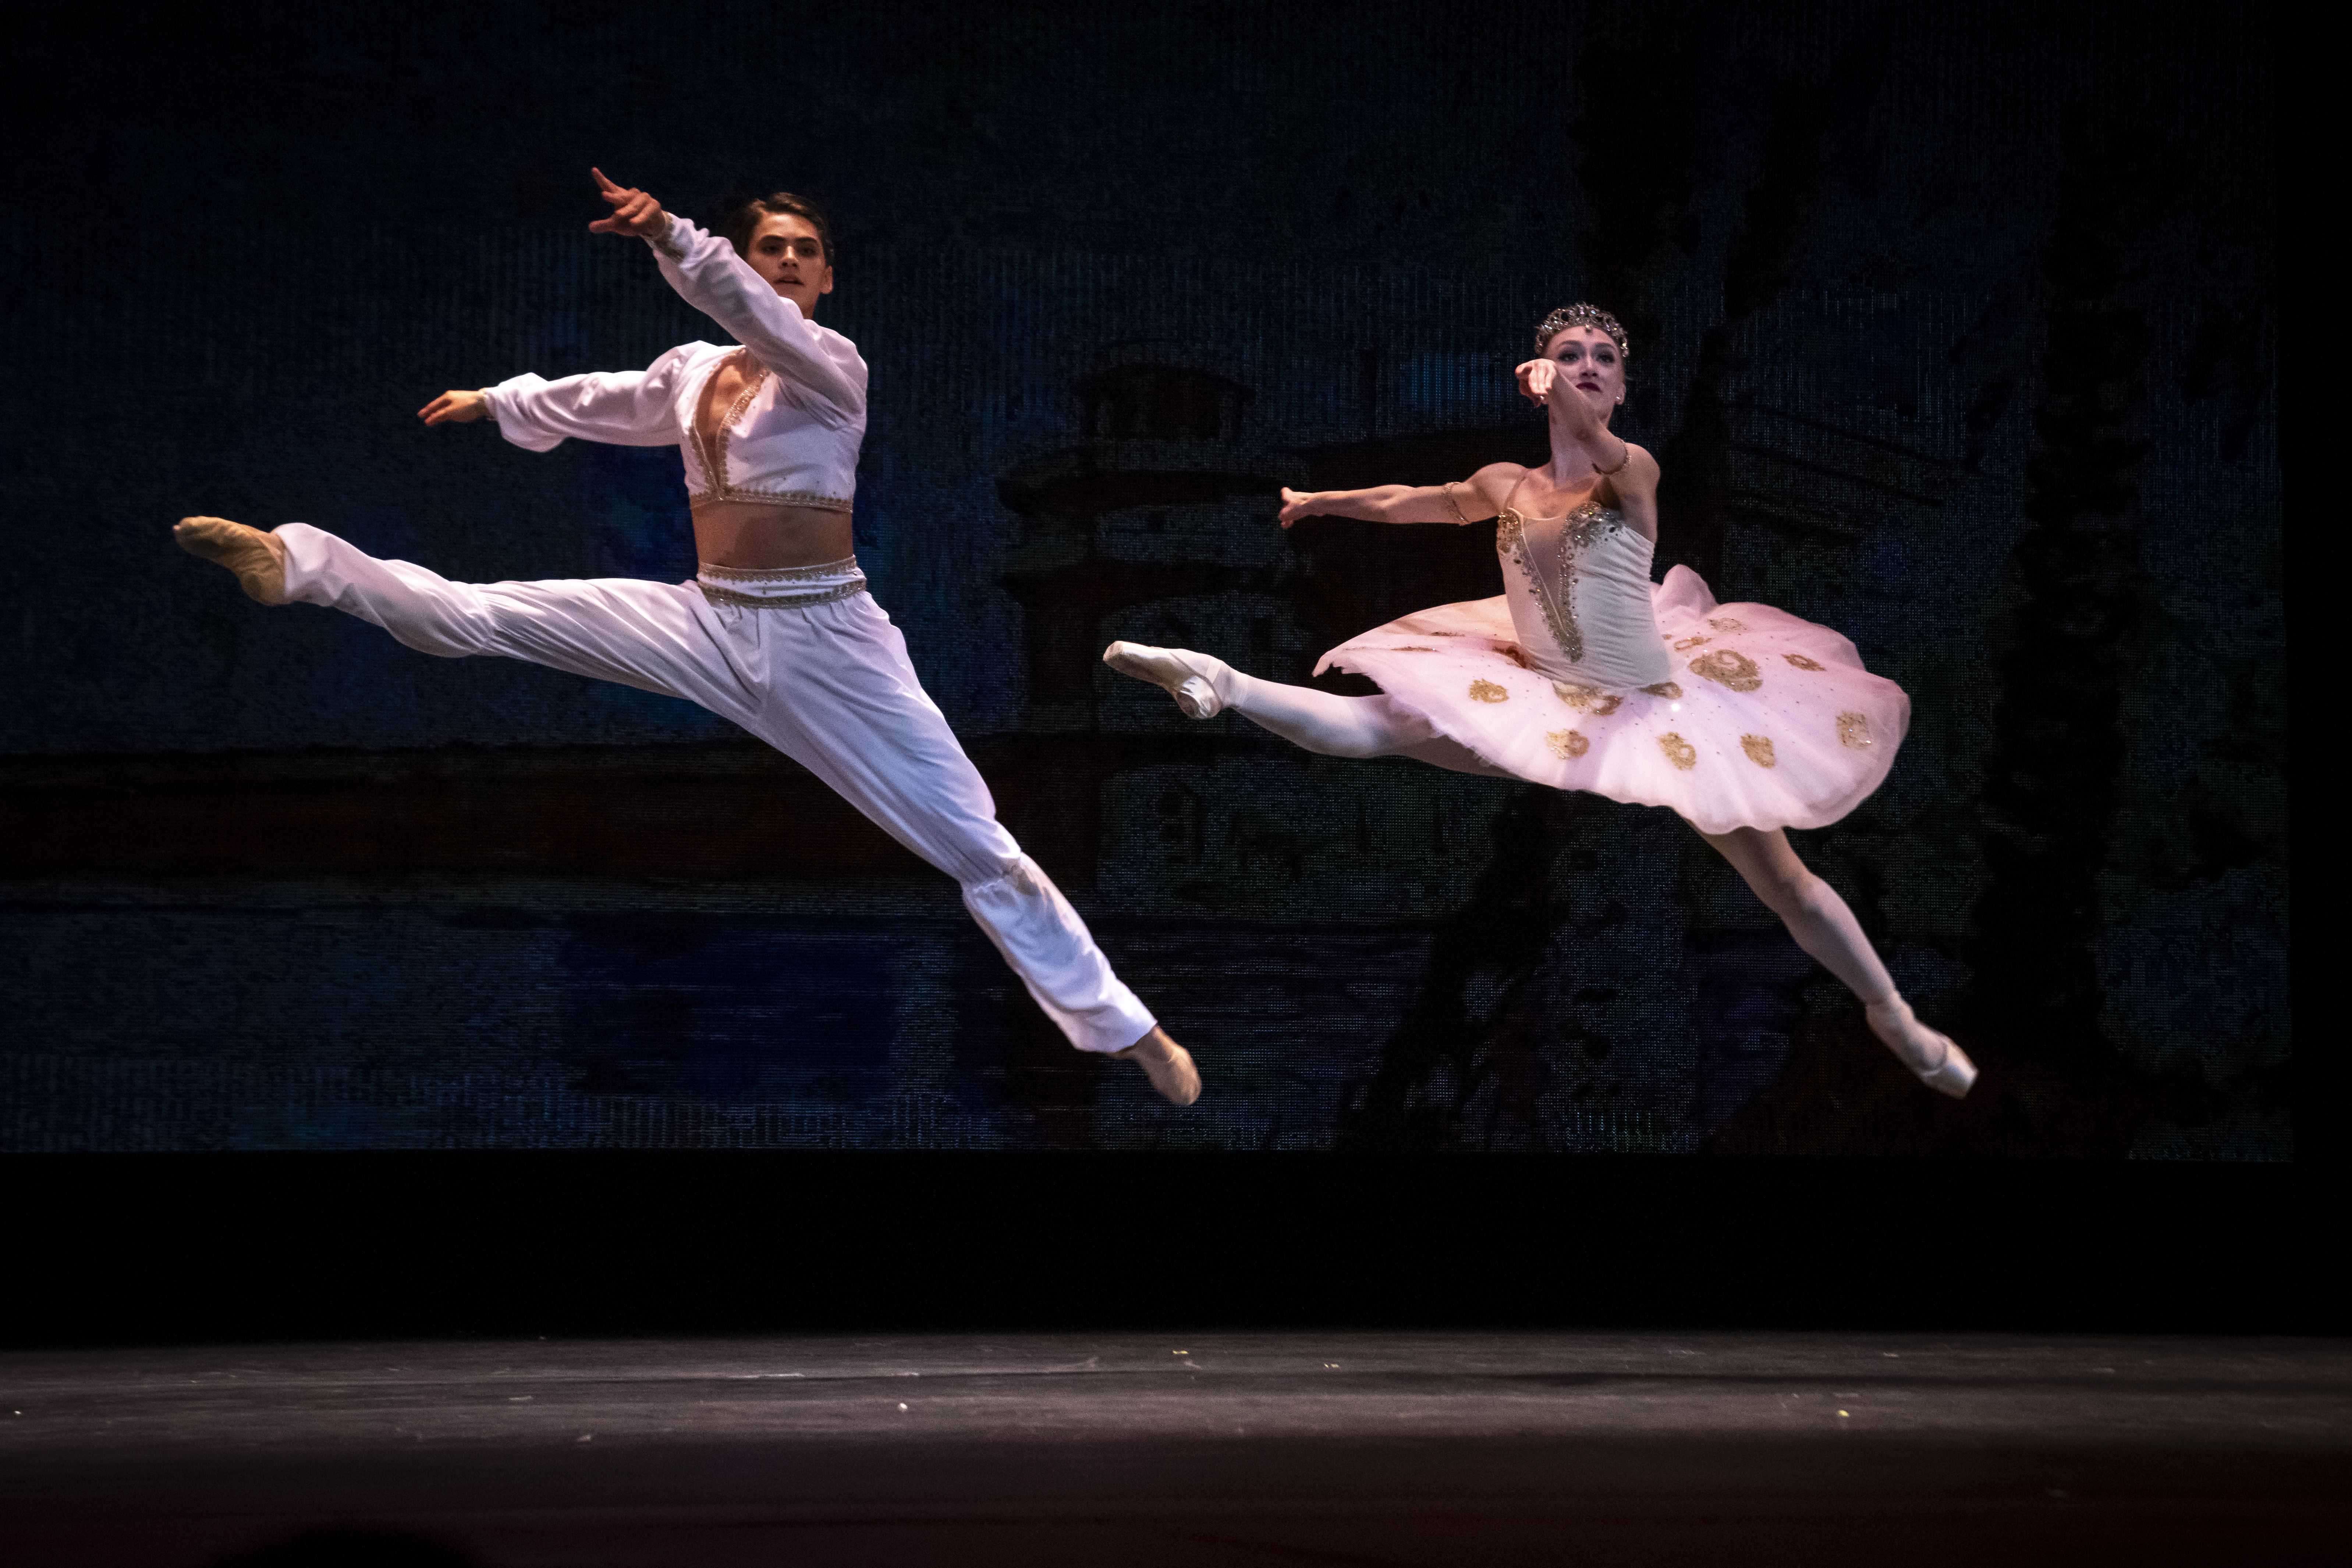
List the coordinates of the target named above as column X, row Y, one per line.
column 1827, row 930
column 1810, row 909
column 1816, row 917
column 1380, row 727
column 1343, row 726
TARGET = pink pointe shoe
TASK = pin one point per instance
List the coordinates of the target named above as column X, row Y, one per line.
column 1930, row 1054
column 1189, row 678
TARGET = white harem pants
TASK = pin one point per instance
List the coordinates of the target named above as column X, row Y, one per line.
column 827, row 684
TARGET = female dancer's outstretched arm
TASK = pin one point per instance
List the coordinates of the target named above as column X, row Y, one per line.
column 1472, row 500
column 1332, row 726
column 1577, row 423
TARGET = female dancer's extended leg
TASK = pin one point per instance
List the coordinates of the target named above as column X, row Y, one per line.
column 1825, row 928
column 1313, row 721
column 1382, row 727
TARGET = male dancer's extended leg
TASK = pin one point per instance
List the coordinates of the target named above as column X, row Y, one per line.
column 651, row 636
column 1825, row 928
column 841, row 697
column 829, row 685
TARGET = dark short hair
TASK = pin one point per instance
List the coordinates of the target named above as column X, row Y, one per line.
column 740, row 215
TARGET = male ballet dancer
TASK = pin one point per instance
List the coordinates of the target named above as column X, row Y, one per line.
column 776, row 631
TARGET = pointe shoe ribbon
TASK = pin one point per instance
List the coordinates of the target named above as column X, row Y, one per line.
column 1189, row 678
column 1168, row 1065
column 1950, row 1073
column 258, row 559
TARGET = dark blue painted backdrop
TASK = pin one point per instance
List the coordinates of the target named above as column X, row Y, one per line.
column 1954, row 327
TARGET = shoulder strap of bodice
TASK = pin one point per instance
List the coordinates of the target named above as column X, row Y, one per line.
column 1513, row 493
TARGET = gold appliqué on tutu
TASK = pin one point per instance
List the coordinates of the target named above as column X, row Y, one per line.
column 1411, row 648
column 1487, row 691
column 1679, row 751
column 1801, row 662
column 1567, row 745
column 1853, row 730
column 1516, row 654
column 1446, row 633
column 1727, row 624
column 1759, row 749
column 1588, row 699
column 1665, row 688
column 1689, row 643
column 1725, row 667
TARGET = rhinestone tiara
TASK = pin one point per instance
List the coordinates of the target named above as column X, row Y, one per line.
column 1581, row 315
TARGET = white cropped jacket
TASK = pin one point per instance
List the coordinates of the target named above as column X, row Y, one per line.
column 791, row 439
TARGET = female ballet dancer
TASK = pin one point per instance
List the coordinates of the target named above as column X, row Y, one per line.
column 776, row 631
column 1744, row 719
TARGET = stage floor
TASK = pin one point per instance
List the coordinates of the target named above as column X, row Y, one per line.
column 1233, row 1449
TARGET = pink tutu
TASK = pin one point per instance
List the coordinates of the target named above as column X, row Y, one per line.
column 1769, row 721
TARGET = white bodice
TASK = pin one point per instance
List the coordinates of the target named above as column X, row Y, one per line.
column 792, row 438
column 1579, row 591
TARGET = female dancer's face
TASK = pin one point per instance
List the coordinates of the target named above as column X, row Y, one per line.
column 1587, row 364
column 787, row 250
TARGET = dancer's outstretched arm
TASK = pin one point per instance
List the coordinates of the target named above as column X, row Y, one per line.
column 457, row 407
column 618, row 408
column 708, row 275
column 1577, row 421
column 1579, row 429
column 1474, row 500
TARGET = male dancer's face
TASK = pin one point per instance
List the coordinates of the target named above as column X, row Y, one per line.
column 788, row 252
column 1587, row 366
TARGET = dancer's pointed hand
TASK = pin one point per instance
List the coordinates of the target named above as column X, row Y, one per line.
column 1535, row 377
column 454, row 408
column 633, row 212
column 1296, row 504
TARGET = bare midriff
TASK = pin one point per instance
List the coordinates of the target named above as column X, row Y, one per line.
column 758, row 536
column 747, row 536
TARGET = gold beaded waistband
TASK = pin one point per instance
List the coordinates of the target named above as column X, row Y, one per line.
column 780, row 587
column 781, row 601
column 697, row 499
column 845, row 567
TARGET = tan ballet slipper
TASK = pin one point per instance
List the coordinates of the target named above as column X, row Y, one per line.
column 1168, row 1065
column 1930, row 1054
column 258, row 559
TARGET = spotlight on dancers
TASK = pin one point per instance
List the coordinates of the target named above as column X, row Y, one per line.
column 1584, row 675
column 776, row 631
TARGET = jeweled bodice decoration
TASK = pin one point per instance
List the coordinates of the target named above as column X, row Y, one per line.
column 1554, row 579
